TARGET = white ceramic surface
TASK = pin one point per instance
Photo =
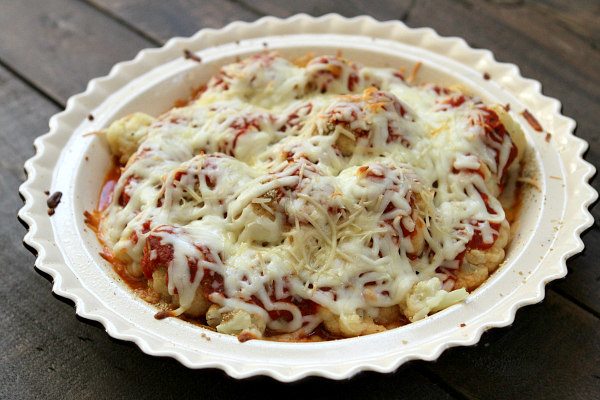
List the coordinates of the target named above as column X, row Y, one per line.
column 74, row 163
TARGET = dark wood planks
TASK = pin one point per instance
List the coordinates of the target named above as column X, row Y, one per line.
column 382, row 10
column 163, row 20
column 60, row 45
column 578, row 16
column 582, row 284
column 27, row 305
column 552, row 351
column 53, row 355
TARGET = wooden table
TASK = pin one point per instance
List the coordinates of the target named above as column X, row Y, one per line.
column 50, row 49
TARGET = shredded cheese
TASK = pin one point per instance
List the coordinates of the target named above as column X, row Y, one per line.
column 325, row 185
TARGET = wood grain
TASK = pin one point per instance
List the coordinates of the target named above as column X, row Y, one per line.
column 24, row 295
column 578, row 16
column 162, row 20
column 60, row 45
column 382, row 10
column 551, row 351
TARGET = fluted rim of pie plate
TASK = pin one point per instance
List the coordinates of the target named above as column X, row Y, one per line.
column 343, row 358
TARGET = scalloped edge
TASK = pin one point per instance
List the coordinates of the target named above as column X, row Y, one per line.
column 50, row 260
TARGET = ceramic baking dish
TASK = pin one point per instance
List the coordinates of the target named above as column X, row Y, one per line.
column 73, row 162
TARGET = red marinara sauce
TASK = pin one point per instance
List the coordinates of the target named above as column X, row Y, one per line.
column 110, row 181
column 92, row 219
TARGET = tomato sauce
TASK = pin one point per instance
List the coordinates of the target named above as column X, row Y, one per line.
column 477, row 241
column 110, row 181
column 121, row 269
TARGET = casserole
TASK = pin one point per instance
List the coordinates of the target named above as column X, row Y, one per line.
column 548, row 232
column 300, row 200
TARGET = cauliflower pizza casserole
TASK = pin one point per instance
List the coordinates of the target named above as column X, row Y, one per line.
column 310, row 200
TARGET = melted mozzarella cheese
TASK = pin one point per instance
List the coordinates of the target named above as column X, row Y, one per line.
column 331, row 183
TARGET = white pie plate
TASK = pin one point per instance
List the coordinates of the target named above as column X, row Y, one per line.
column 74, row 163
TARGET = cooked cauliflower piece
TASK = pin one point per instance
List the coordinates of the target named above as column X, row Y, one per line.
column 348, row 325
column 428, row 297
column 479, row 264
column 125, row 134
column 237, row 322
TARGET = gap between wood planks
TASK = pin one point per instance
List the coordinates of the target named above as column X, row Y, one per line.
column 124, row 23
column 575, row 301
column 32, row 85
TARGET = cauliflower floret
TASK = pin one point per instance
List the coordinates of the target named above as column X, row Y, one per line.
column 479, row 264
column 259, row 225
column 470, row 276
column 237, row 322
column 125, row 134
column 427, row 297
column 387, row 316
column 262, row 222
column 348, row 325
column 159, row 283
column 346, row 144
column 199, row 305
